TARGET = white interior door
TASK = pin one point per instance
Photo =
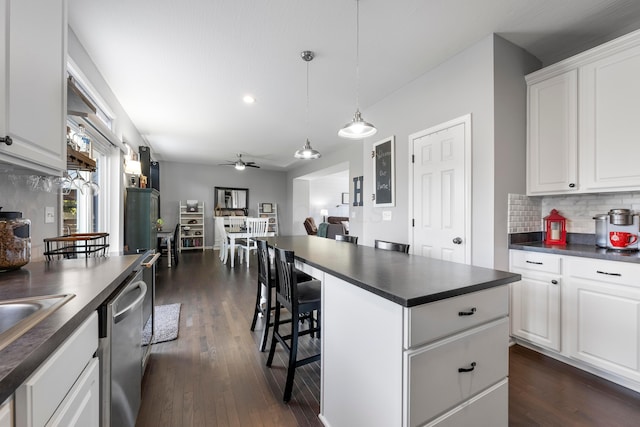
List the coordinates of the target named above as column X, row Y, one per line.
column 441, row 191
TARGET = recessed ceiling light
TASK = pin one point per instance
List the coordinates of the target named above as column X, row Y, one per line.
column 248, row 99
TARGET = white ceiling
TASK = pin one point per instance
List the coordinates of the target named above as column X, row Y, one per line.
column 181, row 67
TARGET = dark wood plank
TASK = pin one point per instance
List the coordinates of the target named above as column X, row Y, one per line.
column 214, row 375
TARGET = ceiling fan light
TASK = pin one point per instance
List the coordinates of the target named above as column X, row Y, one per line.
column 240, row 166
column 307, row 152
column 358, row 128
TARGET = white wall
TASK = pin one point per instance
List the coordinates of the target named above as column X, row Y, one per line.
column 486, row 80
column 326, row 193
column 350, row 157
column 189, row 181
column 511, row 64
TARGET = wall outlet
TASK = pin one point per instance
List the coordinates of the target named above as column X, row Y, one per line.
column 386, row 215
column 49, row 215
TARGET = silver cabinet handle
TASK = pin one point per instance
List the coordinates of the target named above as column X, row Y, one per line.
column 457, row 241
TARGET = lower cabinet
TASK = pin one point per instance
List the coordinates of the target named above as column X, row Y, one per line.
column 443, row 363
column 64, row 390
column 604, row 315
column 6, row 413
column 585, row 311
column 535, row 299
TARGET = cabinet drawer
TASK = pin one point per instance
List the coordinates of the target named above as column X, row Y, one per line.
column 434, row 383
column 490, row 406
column 439, row 319
column 39, row 396
column 620, row 273
column 536, row 261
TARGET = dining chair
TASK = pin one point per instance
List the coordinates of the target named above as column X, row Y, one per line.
column 267, row 278
column 301, row 299
column 255, row 227
column 347, row 238
column 224, row 241
column 236, row 223
column 391, row 246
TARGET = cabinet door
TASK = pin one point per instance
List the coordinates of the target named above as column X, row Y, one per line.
column 552, row 135
column 32, row 80
column 6, row 413
column 609, row 112
column 535, row 308
column 604, row 325
column 81, row 407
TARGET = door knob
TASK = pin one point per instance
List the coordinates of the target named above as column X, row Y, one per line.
column 457, row 241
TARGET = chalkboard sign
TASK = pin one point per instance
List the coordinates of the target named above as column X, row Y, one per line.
column 384, row 173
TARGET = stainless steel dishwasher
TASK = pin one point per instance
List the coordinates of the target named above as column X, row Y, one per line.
column 120, row 353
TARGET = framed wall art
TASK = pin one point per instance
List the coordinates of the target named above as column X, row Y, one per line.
column 383, row 155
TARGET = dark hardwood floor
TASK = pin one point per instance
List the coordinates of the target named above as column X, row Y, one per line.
column 214, row 375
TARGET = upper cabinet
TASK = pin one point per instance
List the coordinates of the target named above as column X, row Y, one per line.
column 552, row 150
column 582, row 136
column 33, row 50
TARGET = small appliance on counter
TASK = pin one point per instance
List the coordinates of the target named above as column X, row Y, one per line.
column 15, row 240
column 618, row 230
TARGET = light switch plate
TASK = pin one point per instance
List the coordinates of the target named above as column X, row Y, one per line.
column 386, row 215
column 49, row 215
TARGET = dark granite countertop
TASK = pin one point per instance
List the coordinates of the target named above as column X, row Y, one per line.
column 91, row 280
column 408, row 280
column 578, row 245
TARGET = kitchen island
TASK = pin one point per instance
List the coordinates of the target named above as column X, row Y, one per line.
column 407, row 340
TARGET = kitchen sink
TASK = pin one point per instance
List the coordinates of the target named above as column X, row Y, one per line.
column 17, row 316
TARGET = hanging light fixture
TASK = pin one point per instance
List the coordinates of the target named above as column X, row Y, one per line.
column 357, row 128
column 307, row 152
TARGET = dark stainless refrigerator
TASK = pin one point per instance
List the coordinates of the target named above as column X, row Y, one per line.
column 142, row 209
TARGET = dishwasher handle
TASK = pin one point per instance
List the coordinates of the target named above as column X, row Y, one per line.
column 122, row 314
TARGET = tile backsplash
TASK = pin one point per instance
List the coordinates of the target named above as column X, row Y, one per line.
column 526, row 213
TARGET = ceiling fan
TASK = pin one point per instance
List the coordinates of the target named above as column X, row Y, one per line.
column 240, row 164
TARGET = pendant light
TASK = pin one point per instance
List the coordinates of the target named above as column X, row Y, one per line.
column 357, row 128
column 307, row 152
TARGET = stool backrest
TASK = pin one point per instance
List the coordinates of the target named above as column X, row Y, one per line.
column 392, row 246
column 347, row 238
column 264, row 269
column 286, row 284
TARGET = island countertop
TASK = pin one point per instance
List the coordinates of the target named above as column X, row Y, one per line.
column 407, row 280
column 91, row 280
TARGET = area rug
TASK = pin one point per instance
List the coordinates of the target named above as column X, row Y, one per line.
column 167, row 321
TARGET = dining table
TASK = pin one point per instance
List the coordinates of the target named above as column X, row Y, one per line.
column 242, row 234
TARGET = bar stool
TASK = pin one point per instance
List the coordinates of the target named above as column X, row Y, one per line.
column 347, row 238
column 391, row 246
column 298, row 299
column 266, row 284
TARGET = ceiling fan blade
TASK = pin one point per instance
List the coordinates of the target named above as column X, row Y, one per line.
column 252, row 166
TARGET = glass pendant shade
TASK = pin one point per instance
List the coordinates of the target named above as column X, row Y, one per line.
column 358, row 128
column 307, row 152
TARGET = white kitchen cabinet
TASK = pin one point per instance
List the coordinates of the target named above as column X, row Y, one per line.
column 64, row 387
column 6, row 413
column 33, row 51
column 405, row 368
column 604, row 315
column 582, row 122
column 536, row 298
column 552, row 136
column 609, row 108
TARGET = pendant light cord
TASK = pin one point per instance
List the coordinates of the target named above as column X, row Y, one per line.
column 307, row 100
column 357, row 54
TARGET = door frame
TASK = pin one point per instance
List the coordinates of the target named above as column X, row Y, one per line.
column 466, row 121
